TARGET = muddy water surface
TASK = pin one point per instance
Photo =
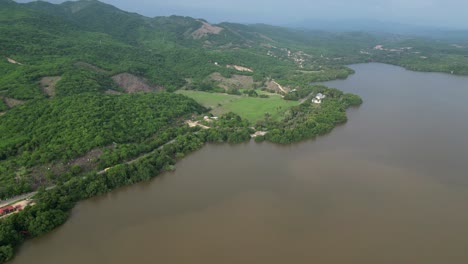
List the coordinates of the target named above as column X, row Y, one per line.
column 390, row 186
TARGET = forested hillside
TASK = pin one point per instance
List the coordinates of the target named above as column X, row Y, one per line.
column 51, row 40
column 61, row 129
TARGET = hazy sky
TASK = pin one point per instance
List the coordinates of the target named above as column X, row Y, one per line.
column 443, row 13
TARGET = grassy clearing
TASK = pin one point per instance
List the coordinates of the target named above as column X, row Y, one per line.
column 210, row 99
column 250, row 108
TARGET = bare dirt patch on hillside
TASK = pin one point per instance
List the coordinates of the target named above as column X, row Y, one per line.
column 236, row 81
column 88, row 161
column 10, row 102
column 239, row 68
column 191, row 123
column 41, row 174
column 206, row 29
column 132, row 83
column 274, row 86
column 48, row 85
column 12, row 61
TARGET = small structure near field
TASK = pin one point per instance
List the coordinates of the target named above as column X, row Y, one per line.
column 6, row 210
column 10, row 209
column 318, row 98
column 210, row 118
column 14, row 208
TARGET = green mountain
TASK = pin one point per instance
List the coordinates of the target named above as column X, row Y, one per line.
column 89, row 96
column 94, row 41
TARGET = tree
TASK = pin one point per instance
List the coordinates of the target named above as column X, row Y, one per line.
column 8, row 233
column 6, row 253
column 46, row 221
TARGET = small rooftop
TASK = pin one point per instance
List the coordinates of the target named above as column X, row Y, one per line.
column 6, row 209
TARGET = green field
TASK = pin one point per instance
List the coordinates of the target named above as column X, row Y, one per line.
column 250, row 108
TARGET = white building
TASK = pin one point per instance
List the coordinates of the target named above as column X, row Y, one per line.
column 318, row 98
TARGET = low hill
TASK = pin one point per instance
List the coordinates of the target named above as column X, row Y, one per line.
column 47, row 131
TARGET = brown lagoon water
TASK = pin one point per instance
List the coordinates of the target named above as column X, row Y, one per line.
column 390, row 186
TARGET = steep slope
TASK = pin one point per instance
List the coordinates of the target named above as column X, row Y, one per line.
column 51, row 45
column 50, row 39
column 129, row 27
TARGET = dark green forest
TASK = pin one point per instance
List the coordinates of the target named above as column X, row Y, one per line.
column 60, row 129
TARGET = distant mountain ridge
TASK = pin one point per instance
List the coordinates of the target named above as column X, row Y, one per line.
column 376, row 26
column 50, row 40
column 94, row 15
